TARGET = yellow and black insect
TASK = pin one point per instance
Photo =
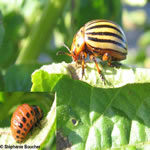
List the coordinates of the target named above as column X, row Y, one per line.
column 101, row 38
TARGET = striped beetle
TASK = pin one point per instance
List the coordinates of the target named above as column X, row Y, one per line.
column 101, row 38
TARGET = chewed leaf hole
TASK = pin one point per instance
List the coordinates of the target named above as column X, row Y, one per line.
column 74, row 121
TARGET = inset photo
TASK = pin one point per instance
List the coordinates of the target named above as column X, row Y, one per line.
column 27, row 120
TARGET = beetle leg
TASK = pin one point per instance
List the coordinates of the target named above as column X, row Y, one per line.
column 76, row 63
column 107, row 57
column 92, row 57
column 83, row 62
column 38, row 124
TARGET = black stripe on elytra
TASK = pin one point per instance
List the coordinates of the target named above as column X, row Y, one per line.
column 107, row 41
column 106, row 33
column 97, row 21
column 92, row 22
column 103, row 26
column 96, row 50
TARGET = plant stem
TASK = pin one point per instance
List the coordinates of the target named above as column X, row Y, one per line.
column 42, row 31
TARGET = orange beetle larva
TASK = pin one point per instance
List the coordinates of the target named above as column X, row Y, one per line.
column 24, row 119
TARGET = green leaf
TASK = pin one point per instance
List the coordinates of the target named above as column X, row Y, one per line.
column 114, row 77
column 1, row 81
column 18, row 77
column 41, row 32
column 44, row 80
column 92, row 115
column 13, row 23
column 2, row 97
column 39, row 137
column 96, row 118
column 103, row 9
column 1, row 30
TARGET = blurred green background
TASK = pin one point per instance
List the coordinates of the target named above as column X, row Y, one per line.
column 33, row 31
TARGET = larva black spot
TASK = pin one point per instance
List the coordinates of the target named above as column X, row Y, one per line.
column 28, row 125
column 32, row 112
column 17, row 137
column 22, row 134
column 24, row 129
column 20, row 125
column 24, row 119
column 18, row 131
column 27, row 114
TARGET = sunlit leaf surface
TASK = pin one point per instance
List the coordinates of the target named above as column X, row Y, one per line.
column 92, row 115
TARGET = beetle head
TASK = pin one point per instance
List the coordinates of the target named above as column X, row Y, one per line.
column 78, row 45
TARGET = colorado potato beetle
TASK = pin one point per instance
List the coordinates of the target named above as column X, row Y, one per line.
column 24, row 119
column 99, row 38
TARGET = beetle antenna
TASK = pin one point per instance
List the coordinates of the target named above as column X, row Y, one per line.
column 64, row 53
column 66, row 47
